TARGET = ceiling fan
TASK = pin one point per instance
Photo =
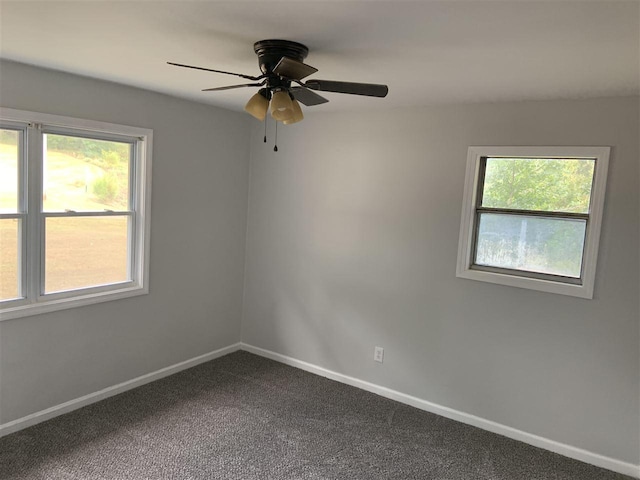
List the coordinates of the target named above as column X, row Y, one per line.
column 281, row 83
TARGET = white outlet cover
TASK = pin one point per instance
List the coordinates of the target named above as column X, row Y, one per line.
column 378, row 354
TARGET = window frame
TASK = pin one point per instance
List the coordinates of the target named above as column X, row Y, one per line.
column 465, row 268
column 30, row 206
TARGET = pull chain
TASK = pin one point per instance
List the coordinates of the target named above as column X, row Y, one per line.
column 265, row 130
column 275, row 145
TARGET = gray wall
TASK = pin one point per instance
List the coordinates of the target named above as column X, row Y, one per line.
column 198, row 224
column 352, row 242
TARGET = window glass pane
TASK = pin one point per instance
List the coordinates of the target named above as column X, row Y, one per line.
column 85, row 252
column 83, row 174
column 556, row 185
column 9, row 170
column 544, row 245
column 9, row 259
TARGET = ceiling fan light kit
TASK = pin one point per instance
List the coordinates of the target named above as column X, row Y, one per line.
column 258, row 105
column 282, row 67
column 297, row 114
column 281, row 106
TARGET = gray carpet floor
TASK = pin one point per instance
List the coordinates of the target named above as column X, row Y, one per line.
column 245, row 417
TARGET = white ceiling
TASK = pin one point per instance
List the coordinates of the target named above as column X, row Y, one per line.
column 427, row 52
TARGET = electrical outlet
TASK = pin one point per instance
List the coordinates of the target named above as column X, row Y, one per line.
column 378, row 354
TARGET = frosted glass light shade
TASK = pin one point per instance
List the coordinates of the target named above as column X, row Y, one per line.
column 257, row 106
column 297, row 113
column 281, row 106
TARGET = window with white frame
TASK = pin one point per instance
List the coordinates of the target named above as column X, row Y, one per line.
column 74, row 212
column 531, row 217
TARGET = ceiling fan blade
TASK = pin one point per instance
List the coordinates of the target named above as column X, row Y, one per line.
column 307, row 97
column 231, row 87
column 293, row 69
column 368, row 89
column 248, row 77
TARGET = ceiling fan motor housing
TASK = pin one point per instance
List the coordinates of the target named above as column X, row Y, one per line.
column 270, row 52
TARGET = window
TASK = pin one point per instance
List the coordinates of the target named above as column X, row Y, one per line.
column 74, row 212
column 531, row 217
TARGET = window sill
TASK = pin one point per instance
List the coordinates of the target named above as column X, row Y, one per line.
column 581, row 291
column 52, row 305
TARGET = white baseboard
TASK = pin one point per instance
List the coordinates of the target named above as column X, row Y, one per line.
column 557, row 447
column 74, row 404
column 535, row 440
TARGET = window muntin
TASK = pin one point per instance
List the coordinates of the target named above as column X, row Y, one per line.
column 87, row 218
column 532, row 215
